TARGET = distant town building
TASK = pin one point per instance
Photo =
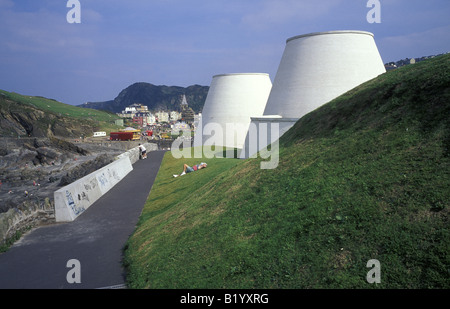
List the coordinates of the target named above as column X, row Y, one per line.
column 180, row 126
column 138, row 114
column 174, row 116
column 135, row 108
column 141, row 116
column 162, row 116
column 126, row 115
column 140, row 119
column 151, row 119
column 144, row 119
column 132, row 110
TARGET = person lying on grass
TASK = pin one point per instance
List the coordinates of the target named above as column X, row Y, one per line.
column 188, row 169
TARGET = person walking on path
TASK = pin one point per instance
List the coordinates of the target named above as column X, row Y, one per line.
column 142, row 151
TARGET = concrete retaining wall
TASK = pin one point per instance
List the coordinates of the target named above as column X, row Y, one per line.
column 72, row 200
column 35, row 212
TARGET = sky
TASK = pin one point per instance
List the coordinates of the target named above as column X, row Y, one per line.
column 183, row 42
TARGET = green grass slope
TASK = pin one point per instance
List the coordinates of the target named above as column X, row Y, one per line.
column 57, row 112
column 364, row 177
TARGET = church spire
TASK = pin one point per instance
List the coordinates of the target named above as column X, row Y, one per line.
column 184, row 101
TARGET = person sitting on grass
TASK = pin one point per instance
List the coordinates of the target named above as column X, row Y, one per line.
column 188, row 169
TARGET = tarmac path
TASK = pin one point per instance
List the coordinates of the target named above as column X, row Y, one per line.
column 95, row 239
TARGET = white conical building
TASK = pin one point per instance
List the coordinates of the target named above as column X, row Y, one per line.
column 316, row 68
column 232, row 99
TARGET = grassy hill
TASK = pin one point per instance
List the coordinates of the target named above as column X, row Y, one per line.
column 364, row 177
column 37, row 116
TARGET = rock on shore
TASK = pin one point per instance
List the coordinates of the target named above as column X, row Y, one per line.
column 36, row 167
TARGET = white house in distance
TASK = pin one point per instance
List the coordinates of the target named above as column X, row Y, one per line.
column 162, row 116
column 133, row 109
column 175, row 116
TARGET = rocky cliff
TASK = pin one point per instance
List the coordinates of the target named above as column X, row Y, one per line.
column 18, row 119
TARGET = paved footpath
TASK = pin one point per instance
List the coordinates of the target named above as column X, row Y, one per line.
column 96, row 239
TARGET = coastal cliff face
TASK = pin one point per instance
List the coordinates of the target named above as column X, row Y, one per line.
column 17, row 119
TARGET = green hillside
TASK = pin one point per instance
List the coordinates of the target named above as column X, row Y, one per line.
column 36, row 116
column 363, row 177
